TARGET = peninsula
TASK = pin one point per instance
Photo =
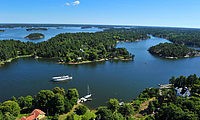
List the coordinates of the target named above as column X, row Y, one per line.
column 74, row 48
column 173, row 51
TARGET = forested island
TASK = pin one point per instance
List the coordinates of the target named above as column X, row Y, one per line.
column 2, row 30
column 171, row 51
column 178, row 100
column 74, row 48
column 36, row 28
column 35, row 36
column 85, row 27
column 78, row 48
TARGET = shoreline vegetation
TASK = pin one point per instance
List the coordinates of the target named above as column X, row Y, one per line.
column 75, row 48
column 80, row 48
column 101, row 60
column 36, row 28
column 177, row 100
column 11, row 59
column 173, row 51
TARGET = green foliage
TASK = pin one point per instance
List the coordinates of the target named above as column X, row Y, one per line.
column 168, row 106
column 113, row 105
column 192, row 82
column 70, row 117
column 68, row 106
column 10, row 107
column 1, row 115
column 52, row 102
column 11, row 49
column 72, row 96
column 44, row 100
column 190, row 37
column 35, row 36
column 8, row 116
column 81, row 110
column 104, row 114
column 118, row 116
column 58, row 104
column 25, row 103
column 126, row 110
column 74, row 47
column 168, row 50
column 171, row 112
column 148, row 93
column 59, row 90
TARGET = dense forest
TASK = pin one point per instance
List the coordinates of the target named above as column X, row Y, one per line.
column 11, row 49
column 87, row 47
column 35, row 36
column 52, row 102
column 170, row 50
column 161, row 103
column 75, row 47
column 185, row 36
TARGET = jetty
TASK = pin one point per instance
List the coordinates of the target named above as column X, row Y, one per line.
column 166, row 86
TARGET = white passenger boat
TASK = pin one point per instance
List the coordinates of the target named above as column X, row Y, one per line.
column 58, row 77
column 61, row 78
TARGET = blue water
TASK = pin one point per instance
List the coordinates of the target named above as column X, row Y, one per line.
column 122, row 80
column 19, row 33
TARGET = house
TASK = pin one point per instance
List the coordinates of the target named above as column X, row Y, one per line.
column 185, row 94
column 37, row 114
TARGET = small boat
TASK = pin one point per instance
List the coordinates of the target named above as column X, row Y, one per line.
column 61, row 78
column 86, row 97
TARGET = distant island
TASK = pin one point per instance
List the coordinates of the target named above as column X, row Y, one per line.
column 173, row 51
column 86, row 27
column 36, row 28
column 2, row 30
column 35, row 36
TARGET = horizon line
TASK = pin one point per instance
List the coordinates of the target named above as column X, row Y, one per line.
column 126, row 25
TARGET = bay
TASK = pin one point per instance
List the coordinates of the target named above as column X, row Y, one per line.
column 110, row 79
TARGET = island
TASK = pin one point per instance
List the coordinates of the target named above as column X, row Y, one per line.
column 35, row 36
column 86, row 27
column 2, row 30
column 173, row 51
column 36, row 28
column 74, row 48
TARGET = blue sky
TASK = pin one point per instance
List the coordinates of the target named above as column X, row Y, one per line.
column 178, row 13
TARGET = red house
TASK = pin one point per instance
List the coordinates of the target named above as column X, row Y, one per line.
column 37, row 114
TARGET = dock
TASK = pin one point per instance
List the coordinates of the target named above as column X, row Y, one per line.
column 165, row 86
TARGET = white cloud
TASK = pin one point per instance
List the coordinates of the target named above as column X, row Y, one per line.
column 77, row 2
column 68, row 4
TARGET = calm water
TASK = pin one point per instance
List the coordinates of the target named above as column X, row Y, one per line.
column 122, row 80
column 19, row 33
